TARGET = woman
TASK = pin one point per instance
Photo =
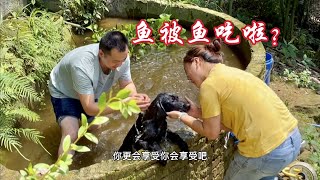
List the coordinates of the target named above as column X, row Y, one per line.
column 235, row 100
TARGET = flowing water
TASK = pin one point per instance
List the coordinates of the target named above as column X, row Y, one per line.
column 156, row 72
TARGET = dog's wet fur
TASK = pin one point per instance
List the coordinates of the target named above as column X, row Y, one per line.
column 150, row 128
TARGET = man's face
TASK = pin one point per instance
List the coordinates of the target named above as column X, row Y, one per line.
column 113, row 59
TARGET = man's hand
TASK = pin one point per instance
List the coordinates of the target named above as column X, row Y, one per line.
column 143, row 101
column 194, row 111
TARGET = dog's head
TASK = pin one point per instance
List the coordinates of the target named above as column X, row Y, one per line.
column 166, row 102
column 153, row 123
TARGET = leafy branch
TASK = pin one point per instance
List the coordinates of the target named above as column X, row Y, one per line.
column 121, row 102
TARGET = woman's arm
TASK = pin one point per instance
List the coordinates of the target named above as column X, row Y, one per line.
column 209, row 127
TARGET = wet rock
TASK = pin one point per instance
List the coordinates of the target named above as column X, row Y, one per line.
column 7, row 173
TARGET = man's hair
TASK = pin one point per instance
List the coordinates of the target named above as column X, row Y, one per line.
column 113, row 39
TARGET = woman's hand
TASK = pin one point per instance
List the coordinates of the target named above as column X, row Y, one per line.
column 143, row 101
column 173, row 115
column 194, row 111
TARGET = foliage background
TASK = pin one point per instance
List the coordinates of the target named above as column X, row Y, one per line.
column 30, row 46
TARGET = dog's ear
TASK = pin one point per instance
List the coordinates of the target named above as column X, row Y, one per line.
column 160, row 110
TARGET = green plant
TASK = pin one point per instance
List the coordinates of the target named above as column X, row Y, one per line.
column 31, row 45
column 61, row 166
column 97, row 32
column 13, row 91
column 308, row 62
column 84, row 12
column 311, row 135
column 29, row 48
column 301, row 79
column 289, row 51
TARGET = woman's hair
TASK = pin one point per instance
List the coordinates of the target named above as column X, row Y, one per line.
column 209, row 53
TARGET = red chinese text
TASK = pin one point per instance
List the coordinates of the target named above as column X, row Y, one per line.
column 255, row 33
column 143, row 32
column 199, row 33
column 224, row 31
column 170, row 33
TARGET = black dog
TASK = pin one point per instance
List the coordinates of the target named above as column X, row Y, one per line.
column 151, row 127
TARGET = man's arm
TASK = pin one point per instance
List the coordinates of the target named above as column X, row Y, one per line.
column 128, row 85
column 91, row 107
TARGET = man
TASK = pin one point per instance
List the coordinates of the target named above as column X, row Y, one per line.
column 78, row 80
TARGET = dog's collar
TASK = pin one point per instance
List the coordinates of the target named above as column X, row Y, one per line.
column 139, row 134
column 135, row 126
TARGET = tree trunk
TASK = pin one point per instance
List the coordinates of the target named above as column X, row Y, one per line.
column 230, row 7
column 286, row 19
column 307, row 12
column 304, row 12
column 282, row 11
column 221, row 4
column 293, row 15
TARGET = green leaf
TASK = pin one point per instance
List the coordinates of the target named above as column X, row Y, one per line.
column 78, row 1
column 129, row 112
column 68, row 161
column 90, row 27
column 67, row 158
column 54, row 175
column 110, row 94
column 91, row 137
column 81, row 131
column 33, row 2
column 80, row 148
column 64, row 168
column 285, row 42
column 41, row 166
column 124, row 112
column 141, row 51
column 84, row 120
column 23, row 173
column 123, row 93
column 66, row 143
column 116, row 105
column 305, row 56
column 23, row 177
column 53, row 168
column 133, row 107
column 100, row 120
column 64, row 157
column 30, row 170
column 102, row 102
column 183, row 30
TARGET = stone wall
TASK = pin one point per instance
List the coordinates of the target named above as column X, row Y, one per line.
column 9, row 5
column 213, row 167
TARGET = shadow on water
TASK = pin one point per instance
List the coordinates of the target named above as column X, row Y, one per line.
column 156, row 72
